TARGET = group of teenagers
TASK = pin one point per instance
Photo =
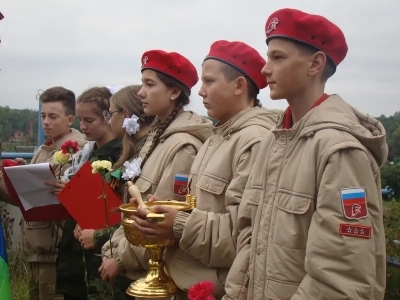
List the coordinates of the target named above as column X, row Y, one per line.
column 288, row 202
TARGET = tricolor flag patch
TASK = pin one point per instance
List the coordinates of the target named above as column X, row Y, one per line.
column 181, row 184
column 354, row 203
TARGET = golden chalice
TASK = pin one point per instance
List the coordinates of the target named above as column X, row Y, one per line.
column 156, row 284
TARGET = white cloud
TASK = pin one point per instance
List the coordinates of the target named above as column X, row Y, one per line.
column 79, row 43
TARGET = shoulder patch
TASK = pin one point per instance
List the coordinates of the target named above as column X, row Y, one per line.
column 355, row 230
column 181, row 184
column 354, row 203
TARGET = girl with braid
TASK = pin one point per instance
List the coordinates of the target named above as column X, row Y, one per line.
column 206, row 237
column 102, row 145
column 169, row 151
column 129, row 123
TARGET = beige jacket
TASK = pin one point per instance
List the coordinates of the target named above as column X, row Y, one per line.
column 173, row 155
column 219, row 174
column 39, row 238
column 304, row 243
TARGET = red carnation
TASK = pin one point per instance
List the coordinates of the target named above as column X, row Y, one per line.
column 202, row 291
column 70, row 147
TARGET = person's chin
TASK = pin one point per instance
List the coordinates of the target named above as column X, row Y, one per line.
column 275, row 95
column 211, row 114
column 149, row 112
column 89, row 138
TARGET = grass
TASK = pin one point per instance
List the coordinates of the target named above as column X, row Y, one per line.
column 392, row 284
column 18, row 275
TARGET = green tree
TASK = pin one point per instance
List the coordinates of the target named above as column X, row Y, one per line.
column 17, row 119
column 392, row 127
column 390, row 175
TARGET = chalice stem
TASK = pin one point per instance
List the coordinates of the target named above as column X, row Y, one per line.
column 156, row 272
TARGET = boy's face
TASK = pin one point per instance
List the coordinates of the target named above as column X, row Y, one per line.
column 287, row 69
column 218, row 94
column 55, row 121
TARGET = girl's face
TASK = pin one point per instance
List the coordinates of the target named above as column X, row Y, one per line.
column 157, row 99
column 116, row 120
column 91, row 122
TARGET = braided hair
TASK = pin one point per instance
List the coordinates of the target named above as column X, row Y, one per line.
column 160, row 127
column 98, row 95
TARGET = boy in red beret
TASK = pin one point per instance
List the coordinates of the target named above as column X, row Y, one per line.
column 231, row 80
column 310, row 221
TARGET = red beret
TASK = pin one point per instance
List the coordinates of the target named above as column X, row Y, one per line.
column 242, row 57
column 313, row 30
column 172, row 64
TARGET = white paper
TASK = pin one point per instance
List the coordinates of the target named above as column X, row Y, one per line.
column 28, row 182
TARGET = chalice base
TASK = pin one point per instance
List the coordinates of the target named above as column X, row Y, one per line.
column 156, row 288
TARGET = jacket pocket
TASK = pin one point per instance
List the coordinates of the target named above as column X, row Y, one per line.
column 293, row 217
column 37, row 225
column 144, row 186
column 212, row 184
column 279, row 290
column 39, row 237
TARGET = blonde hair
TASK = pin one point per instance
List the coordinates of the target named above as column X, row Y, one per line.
column 128, row 100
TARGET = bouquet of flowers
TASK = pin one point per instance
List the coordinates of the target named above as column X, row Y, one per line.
column 63, row 156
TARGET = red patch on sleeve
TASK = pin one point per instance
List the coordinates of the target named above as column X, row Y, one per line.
column 355, row 230
column 181, row 184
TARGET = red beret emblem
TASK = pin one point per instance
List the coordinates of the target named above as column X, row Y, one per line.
column 144, row 61
column 272, row 25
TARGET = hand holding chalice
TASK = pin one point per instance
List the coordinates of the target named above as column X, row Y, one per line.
column 148, row 224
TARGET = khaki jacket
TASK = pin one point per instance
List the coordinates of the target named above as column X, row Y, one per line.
column 40, row 238
column 292, row 211
column 173, row 155
column 218, row 176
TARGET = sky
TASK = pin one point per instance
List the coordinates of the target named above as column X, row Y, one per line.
column 84, row 43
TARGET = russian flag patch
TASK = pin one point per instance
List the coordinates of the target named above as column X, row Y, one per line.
column 354, row 203
column 181, row 184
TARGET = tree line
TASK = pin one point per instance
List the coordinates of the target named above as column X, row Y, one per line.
column 17, row 119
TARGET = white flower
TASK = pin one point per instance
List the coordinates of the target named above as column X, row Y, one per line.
column 114, row 88
column 132, row 169
column 131, row 125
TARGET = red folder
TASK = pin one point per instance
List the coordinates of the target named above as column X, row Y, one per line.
column 55, row 212
column 82, row 197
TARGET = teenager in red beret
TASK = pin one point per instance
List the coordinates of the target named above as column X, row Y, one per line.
column 311, row 216
column 168, row 153
column 231, row 80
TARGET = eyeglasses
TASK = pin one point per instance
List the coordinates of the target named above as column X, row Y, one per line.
column 108, row 114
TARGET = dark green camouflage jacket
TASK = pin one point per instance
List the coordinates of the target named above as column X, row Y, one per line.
column 96, row 288
column 71, row 277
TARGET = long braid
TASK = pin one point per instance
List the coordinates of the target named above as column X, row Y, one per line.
column 160, row 130
column 181, row 101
